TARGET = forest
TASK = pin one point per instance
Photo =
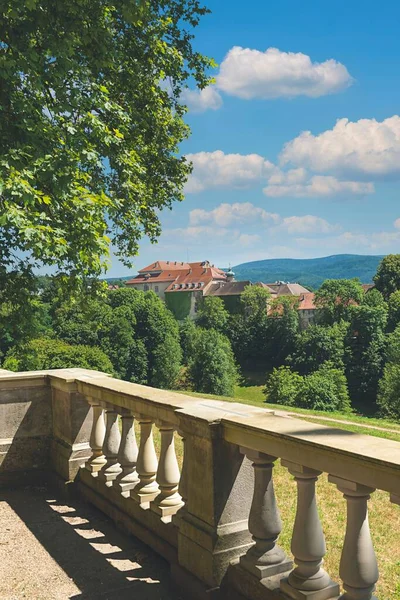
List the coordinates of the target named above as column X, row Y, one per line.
column 348, row 360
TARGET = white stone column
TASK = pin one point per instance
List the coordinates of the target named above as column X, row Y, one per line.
column 169, row 501
column 265, row 558
column 127, row 456
column 97, row 460
column 358, row 566
column 112, row 441
column 308, row 580
column 147, row 489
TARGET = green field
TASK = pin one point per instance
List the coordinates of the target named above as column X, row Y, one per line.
column 253, row 394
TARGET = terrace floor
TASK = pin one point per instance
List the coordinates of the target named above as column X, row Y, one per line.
column 54, row 549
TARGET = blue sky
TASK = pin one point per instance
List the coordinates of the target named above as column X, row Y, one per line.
column 261, row 188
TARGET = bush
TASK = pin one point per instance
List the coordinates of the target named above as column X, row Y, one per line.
column 284, row 386
column 326, row 390
column 389, row 391
column 212, row 368
column 389, row 386
column 45, row 353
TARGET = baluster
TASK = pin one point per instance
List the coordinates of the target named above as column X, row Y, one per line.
column 308, row 579
column 127, row 455
column 97, row 460
column 146, row 489
column 183, row 482
column 358, row 566
column 111, row 445
column 265, row 558
column 169, row 501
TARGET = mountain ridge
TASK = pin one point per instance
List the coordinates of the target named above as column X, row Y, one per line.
column 310, row 272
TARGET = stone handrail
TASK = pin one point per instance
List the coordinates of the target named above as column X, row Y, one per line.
column 220, row 515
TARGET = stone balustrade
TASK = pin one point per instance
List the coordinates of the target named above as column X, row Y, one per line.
column 217, row 521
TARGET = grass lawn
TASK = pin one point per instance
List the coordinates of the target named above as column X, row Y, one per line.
column 254, row 396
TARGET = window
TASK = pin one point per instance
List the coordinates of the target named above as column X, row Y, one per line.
column 156, row 288
column 146, row 287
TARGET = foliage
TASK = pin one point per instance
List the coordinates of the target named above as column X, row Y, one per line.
column 213, row 314
column 284, row 386
column 389, row 391
column 325, row 389
column 283, row 329
column 22, row 317
column 90, row 127
column 387, row 278
column 393, row 310
column 317, row 345
column 135, row 329
column 336, row 298
column 389, row 386
column 212, row 368
column 44, row 353
column 254, row 301
column 374, row 298
column 365, row 350
column 179, row 303
column 187, row 334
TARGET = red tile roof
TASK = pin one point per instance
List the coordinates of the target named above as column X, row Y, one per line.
column 165, row 265
column 183, row 274
column 306, row 301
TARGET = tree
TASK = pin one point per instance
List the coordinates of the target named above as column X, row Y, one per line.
column 365, row 351
column 213, row 314
column 90, row 126
column 394, row 310
column 248, row 331
column 159, row 331
column 283, row 386
column 283, row 329
column 335, row 299
column 134, row 328
column 255, row 302
column 45, row 353
column 389, row 386
column 317, row 345
column 187, row 335
column 387, row 278
column 212, row 368
column 325, row 389
column 389, row 391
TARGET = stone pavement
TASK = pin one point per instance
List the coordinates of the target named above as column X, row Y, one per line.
column 57, row 549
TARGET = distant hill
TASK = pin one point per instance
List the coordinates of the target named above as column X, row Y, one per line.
column 311, row 271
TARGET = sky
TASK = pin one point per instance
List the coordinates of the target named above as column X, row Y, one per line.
column 296, row 148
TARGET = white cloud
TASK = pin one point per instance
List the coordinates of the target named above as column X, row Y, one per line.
column 362, row 148
column 247, row 240
column 219, row 170
column 248, row 73
column 226, row 214
column 298, row 184
column 307, row 224
column 378, row 242
column 397, row 223
column 199, row 101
